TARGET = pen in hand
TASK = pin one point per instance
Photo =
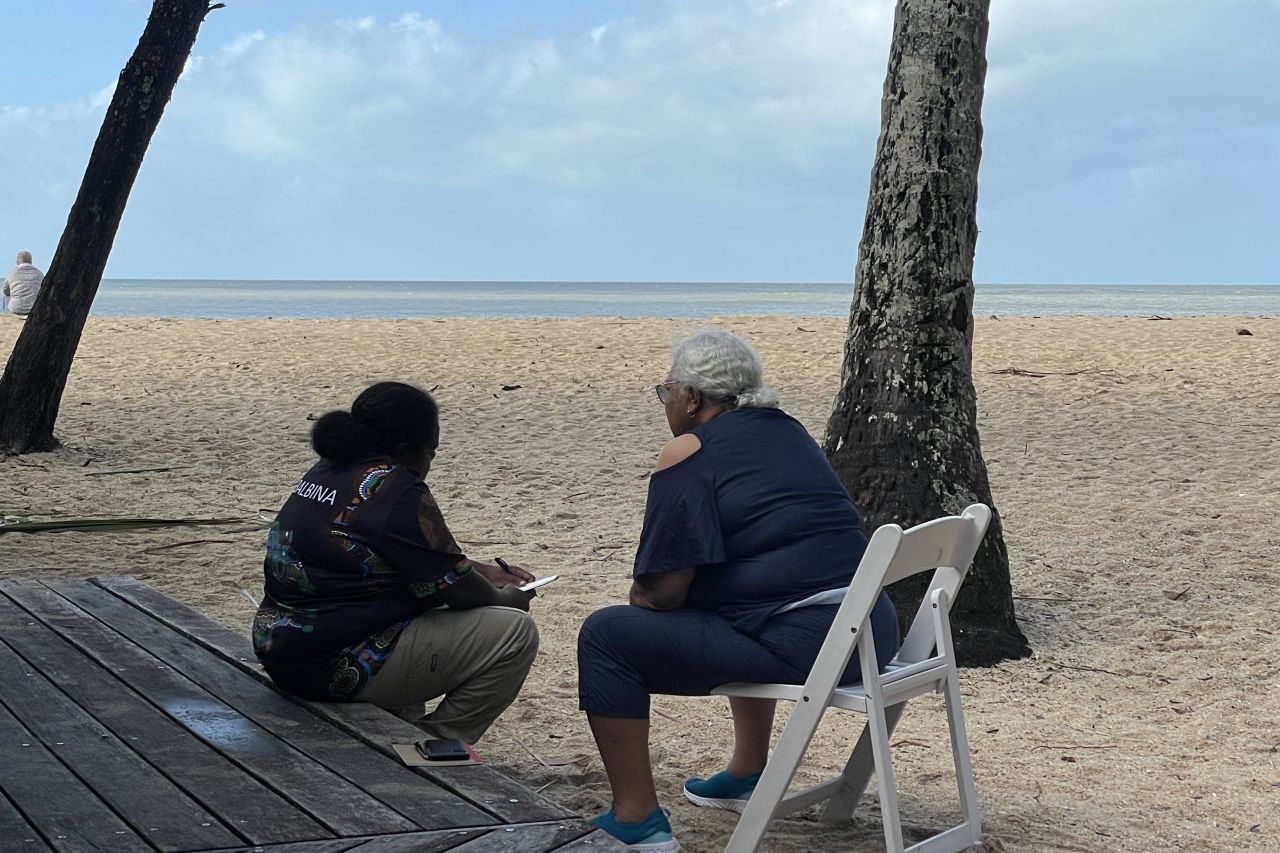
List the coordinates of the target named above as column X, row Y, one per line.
column 520, row 578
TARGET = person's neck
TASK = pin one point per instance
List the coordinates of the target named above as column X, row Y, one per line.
column 709, row 413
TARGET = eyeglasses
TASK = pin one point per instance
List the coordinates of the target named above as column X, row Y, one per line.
column 663, row 390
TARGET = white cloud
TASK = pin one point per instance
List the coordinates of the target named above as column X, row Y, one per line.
column 1089, row 86
column 362, row 25
column 239, row 46
column 702, row 97
column 746, row 101
column 692, row 127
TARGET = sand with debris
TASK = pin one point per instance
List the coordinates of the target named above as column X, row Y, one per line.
column 1134, row 462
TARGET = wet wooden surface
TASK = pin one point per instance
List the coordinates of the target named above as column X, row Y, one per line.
column 130, row 722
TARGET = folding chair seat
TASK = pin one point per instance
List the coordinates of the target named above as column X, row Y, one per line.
column 926, row 663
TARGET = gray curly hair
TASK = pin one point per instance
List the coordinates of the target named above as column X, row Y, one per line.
column 724, row 367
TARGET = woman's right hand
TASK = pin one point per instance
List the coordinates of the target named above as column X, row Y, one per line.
column 513, row 596
column 474, row 590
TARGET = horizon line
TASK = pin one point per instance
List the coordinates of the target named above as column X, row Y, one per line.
column 675, row 281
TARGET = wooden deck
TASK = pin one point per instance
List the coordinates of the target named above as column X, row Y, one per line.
column 130, row 722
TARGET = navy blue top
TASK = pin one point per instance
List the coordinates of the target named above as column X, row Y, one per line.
column 758, row 511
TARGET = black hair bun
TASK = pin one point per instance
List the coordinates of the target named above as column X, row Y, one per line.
column 337, row 437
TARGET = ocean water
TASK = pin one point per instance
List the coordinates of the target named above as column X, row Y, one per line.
column 323, row 299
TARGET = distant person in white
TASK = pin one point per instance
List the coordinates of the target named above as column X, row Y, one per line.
column 22, row 285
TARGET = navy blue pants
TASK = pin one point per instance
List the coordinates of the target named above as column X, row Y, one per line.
column 626, row 653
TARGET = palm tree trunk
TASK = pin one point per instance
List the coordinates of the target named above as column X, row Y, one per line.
column 36, row 373
column 903, row 432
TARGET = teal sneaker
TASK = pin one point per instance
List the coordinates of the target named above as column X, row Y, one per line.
column 721, row 791
column 651, row 835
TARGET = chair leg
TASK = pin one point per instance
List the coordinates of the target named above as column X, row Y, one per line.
column 877, row 722
column 962, row 759
column 776, row 778
column 857, row 771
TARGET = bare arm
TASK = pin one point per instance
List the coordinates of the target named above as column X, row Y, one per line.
column 662, row 591
column 677, row 450
column 667, row 590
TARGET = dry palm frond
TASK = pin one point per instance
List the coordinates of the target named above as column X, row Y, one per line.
column 107, row 525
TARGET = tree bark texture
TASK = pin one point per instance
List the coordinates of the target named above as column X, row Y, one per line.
column 36, row 373
column 903, row 433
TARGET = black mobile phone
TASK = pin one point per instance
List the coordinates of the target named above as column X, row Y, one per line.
column 444, row 749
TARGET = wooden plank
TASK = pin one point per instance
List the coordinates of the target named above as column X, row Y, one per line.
column 538, row 838
column 20, row 836
column 327, row 845
column 157, row 809
column 407, row 842
column 338, row 805
column 53, row 800
column 574, row 836
column 257, row 813
column 254, row 811
column 426, row 804
column 487, row 787
column 434, row 843
column 523, row 838
column 497, row 793
column 595, row 842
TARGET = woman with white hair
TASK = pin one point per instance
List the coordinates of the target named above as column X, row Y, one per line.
column 22, row 285
column 748, row 545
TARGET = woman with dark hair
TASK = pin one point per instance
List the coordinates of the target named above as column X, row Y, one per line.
column 368, row 597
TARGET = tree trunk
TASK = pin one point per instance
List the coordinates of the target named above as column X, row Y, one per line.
column 36, row 373
column 903, row 432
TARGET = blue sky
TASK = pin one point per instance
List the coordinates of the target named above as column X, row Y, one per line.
column 673, row 140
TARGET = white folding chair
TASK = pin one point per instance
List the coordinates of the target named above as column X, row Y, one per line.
column 925, row 663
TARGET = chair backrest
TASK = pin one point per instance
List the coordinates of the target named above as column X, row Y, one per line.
column 945, row 546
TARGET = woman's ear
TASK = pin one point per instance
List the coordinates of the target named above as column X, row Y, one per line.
column 695, row 399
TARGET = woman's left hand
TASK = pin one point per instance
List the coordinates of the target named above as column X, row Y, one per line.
column 662, row 590
column 504, row 574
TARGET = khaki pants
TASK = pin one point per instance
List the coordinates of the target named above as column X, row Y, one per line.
column 477, row 659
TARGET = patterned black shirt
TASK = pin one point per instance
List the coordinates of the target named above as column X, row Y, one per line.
column 357, row 551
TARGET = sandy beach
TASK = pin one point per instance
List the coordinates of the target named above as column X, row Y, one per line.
column 1134, row 463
